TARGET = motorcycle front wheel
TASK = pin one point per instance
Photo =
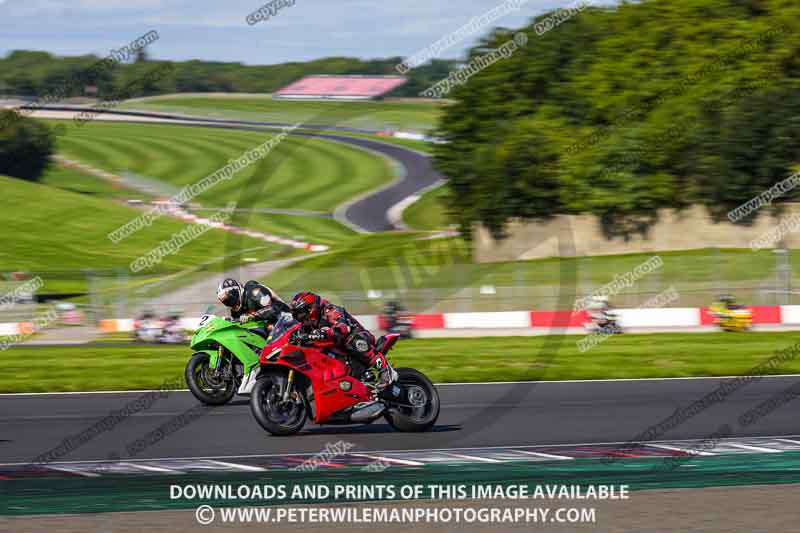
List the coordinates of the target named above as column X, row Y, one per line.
column 206, row 383
column 420, row 406
column 279, row 417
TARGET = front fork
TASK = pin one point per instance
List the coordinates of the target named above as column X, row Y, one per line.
column 289, row 383
column 228, row 371
column 220, row 353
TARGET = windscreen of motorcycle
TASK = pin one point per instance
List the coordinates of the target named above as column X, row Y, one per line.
column 284, row 323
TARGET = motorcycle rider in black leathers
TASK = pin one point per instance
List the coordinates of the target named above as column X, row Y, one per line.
column 253, row 302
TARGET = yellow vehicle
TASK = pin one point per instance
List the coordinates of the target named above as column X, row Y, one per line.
column 730, row 316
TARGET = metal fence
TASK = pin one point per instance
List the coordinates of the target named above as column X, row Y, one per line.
column 765, row 278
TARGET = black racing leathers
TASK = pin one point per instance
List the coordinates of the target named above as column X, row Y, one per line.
column 260, row 302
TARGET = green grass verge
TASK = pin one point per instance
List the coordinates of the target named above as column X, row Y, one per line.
column 408, row 260
column 429, row 213
column 76, row 368
column 178, row 156
column 319, row 230
column 73, row 180
column 438, row 275
column 298, row 173
column 421, row 115
column 58, row 234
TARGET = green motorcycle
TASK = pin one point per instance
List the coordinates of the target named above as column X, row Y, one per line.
column 225, row 358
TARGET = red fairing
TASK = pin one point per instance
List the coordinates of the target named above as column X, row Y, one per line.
column 277, row 343
column 389, row 342
column 326, row 374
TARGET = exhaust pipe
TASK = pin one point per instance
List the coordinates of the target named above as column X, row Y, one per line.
column 367, row 413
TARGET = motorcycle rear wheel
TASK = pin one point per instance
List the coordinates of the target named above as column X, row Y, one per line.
column 419, row 390
column 271, row 412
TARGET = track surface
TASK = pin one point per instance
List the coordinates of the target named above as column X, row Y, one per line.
column 473, row 415
column 367, row 213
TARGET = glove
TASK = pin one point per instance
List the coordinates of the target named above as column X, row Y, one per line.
column 245, row 318
column 297, row 338
column 316, row 335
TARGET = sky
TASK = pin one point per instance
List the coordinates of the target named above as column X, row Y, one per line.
column 217, row 30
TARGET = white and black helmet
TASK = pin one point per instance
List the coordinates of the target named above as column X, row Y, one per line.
column 230, row 293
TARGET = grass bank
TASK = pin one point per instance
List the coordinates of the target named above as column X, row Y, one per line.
column 77, row 368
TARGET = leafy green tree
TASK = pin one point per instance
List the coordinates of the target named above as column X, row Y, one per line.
column 619, row 111
column 25, row 146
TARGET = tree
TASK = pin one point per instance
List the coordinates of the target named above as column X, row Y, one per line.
column 25, row 146
column 757, row 143
column 619, row 111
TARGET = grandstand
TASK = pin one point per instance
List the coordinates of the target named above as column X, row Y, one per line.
column 340, row 87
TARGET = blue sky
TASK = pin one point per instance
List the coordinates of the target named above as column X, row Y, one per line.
column 216, row 30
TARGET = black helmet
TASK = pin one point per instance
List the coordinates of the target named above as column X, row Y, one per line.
column 230, row 293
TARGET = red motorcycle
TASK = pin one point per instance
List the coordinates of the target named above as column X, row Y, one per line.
column 299, row 382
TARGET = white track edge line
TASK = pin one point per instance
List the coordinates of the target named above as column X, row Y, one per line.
column 374, row 452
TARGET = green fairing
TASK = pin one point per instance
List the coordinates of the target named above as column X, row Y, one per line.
column 233, row 336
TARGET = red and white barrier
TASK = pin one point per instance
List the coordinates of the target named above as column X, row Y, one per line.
column 790, row 314
column 666, row 317
column 8, row 329
column 512, row 319
column 658, row 318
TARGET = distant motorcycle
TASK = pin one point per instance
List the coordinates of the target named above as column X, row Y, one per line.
column 167, row 330
column 606, row 322
column 298, row 382
column 396, row 320
column 738, row 318
column 151, row 329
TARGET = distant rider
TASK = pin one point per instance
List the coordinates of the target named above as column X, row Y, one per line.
column 253, row 302
column 330, row 326
column 600, row 311
column 392, row 311
column 728, row 303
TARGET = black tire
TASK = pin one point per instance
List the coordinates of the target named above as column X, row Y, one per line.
column 414, row 420
column 202, row 386
column 267, row 407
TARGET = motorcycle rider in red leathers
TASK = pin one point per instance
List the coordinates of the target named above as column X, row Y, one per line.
column 325, row 325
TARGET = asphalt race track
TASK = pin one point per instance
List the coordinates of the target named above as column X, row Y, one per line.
column 473, row 416
column 368, row 212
